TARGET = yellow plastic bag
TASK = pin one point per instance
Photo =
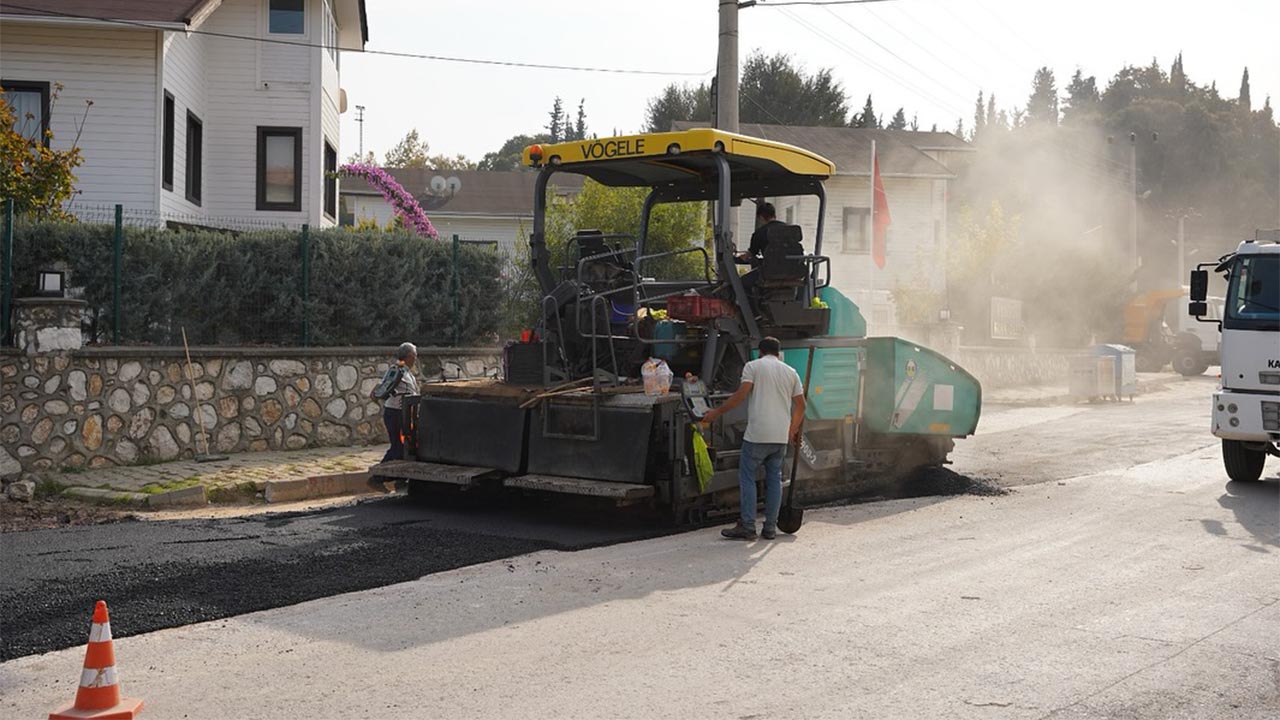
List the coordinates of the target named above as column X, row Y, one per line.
column 702, row 467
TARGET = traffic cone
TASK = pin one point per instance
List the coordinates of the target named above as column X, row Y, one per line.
column 99, row 693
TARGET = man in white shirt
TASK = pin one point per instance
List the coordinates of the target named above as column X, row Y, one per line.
column 775, row 412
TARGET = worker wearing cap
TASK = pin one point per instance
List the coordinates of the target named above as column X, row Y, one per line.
column 775, row 413
column 392, row 407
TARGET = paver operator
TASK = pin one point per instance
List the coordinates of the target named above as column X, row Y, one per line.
column 775, row 413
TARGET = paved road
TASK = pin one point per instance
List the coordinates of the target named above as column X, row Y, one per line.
column 1134, row 583
column 170, row 573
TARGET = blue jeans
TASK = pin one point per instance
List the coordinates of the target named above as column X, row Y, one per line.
column 392, row 418
column 753, row 454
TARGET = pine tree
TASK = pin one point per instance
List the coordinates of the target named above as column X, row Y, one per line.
column 960, row 128
column 992, row 117
column 899, row 121
column 1082, row 97
column 979, row 116
column 915, row 122
column 866, row 118
column 580, row 127
column 1245, row 102
column 1042, row 106
column 1178, row 77
column 556, row 127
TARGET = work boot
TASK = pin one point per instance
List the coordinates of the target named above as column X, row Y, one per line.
column 739, row 532
column 378, row 484
column 769, row 532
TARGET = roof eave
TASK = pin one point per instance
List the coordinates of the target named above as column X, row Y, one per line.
column 151, row 25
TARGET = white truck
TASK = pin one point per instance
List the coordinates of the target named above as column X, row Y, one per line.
column 1246, row 408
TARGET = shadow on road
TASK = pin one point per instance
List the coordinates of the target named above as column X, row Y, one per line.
column 1256, row 506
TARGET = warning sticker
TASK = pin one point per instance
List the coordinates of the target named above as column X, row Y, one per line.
column 944, row 397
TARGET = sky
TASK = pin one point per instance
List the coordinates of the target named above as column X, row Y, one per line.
column 929, row 56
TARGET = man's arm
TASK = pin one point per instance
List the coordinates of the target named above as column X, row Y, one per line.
column 742, row 393
column 797, row 418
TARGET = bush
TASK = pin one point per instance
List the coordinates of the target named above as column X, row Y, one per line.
column 366, row 288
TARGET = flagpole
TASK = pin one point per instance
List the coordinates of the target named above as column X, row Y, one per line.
column 871, row 231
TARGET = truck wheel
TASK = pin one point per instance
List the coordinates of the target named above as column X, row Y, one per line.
column 1188, row 363
column 1243, row 463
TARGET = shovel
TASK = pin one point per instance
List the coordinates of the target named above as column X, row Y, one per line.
column 791, row 517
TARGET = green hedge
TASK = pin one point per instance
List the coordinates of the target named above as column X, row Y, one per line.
column 372, row 288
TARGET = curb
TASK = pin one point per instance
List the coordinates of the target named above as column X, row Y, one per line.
column 317, row 486
column 193, row 496
column 106, row 497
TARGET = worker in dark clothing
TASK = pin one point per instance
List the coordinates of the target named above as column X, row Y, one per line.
column 765, row 216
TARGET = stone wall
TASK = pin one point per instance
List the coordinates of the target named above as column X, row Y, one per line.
column 1015, row 367
column 98, row 407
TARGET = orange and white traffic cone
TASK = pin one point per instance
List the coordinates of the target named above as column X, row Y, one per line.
column 99, row 693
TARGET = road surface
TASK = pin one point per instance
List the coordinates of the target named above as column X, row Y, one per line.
column 1130, row 580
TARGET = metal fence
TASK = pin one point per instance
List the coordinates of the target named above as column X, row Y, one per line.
column 148, row 279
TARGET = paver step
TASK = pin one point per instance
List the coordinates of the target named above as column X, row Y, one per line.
column 581, row 486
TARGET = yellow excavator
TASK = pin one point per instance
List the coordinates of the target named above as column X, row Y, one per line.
column 1156, row 343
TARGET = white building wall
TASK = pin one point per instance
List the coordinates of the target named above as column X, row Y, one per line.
column 510, row 233
column 248, row 88
column 116, row 69
column 915, row 245
column 183, row 76
column 329, row 99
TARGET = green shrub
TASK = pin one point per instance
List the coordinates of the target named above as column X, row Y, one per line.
column 366, row 288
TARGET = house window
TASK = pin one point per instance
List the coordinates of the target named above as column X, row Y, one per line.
column 287, row 17
column 30, row 104
column 166, row 179
column 856, row 239
column 279, row 168
column 330, row 181
column 330, row 31
column 195, row 156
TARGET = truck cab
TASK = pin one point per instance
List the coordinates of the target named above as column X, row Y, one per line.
column 1246, row 408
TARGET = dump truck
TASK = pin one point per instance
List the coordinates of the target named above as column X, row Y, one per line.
column 1161, row 335
column 570, row 417
column 1246, row 408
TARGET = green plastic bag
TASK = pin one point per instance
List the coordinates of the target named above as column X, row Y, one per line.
column 701, row 460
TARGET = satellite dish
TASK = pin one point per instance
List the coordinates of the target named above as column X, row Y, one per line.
column 438, row 184
column 454, row 184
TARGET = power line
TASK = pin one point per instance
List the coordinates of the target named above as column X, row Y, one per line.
column 901, row 59
column 384, row 53
column 874, row 65
column 762, row 3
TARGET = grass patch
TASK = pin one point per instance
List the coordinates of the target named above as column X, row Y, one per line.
column 47, row 488
column 157, row 488
column 239, row 493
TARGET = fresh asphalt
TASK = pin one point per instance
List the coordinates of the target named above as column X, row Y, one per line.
column 160, row 574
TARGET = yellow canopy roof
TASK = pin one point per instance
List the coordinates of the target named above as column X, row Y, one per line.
column 683, row 163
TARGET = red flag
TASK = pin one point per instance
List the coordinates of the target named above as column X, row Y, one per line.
column 880, row 219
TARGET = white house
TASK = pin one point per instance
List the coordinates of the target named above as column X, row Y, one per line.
column 479, row 206
column 203, row 111
column 915, row 168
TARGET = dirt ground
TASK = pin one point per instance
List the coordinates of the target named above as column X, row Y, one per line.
column 37, row 514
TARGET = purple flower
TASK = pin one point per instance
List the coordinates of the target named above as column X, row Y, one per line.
column 404, row 204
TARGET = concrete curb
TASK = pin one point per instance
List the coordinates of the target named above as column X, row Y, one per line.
column 106, row 497
column 193, row 496
column 1143, row 386
column 317, row 486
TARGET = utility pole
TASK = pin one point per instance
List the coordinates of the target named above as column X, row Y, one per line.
column 1133, row 200
column 727, row 68
column 360, row 122
column 726, row 87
